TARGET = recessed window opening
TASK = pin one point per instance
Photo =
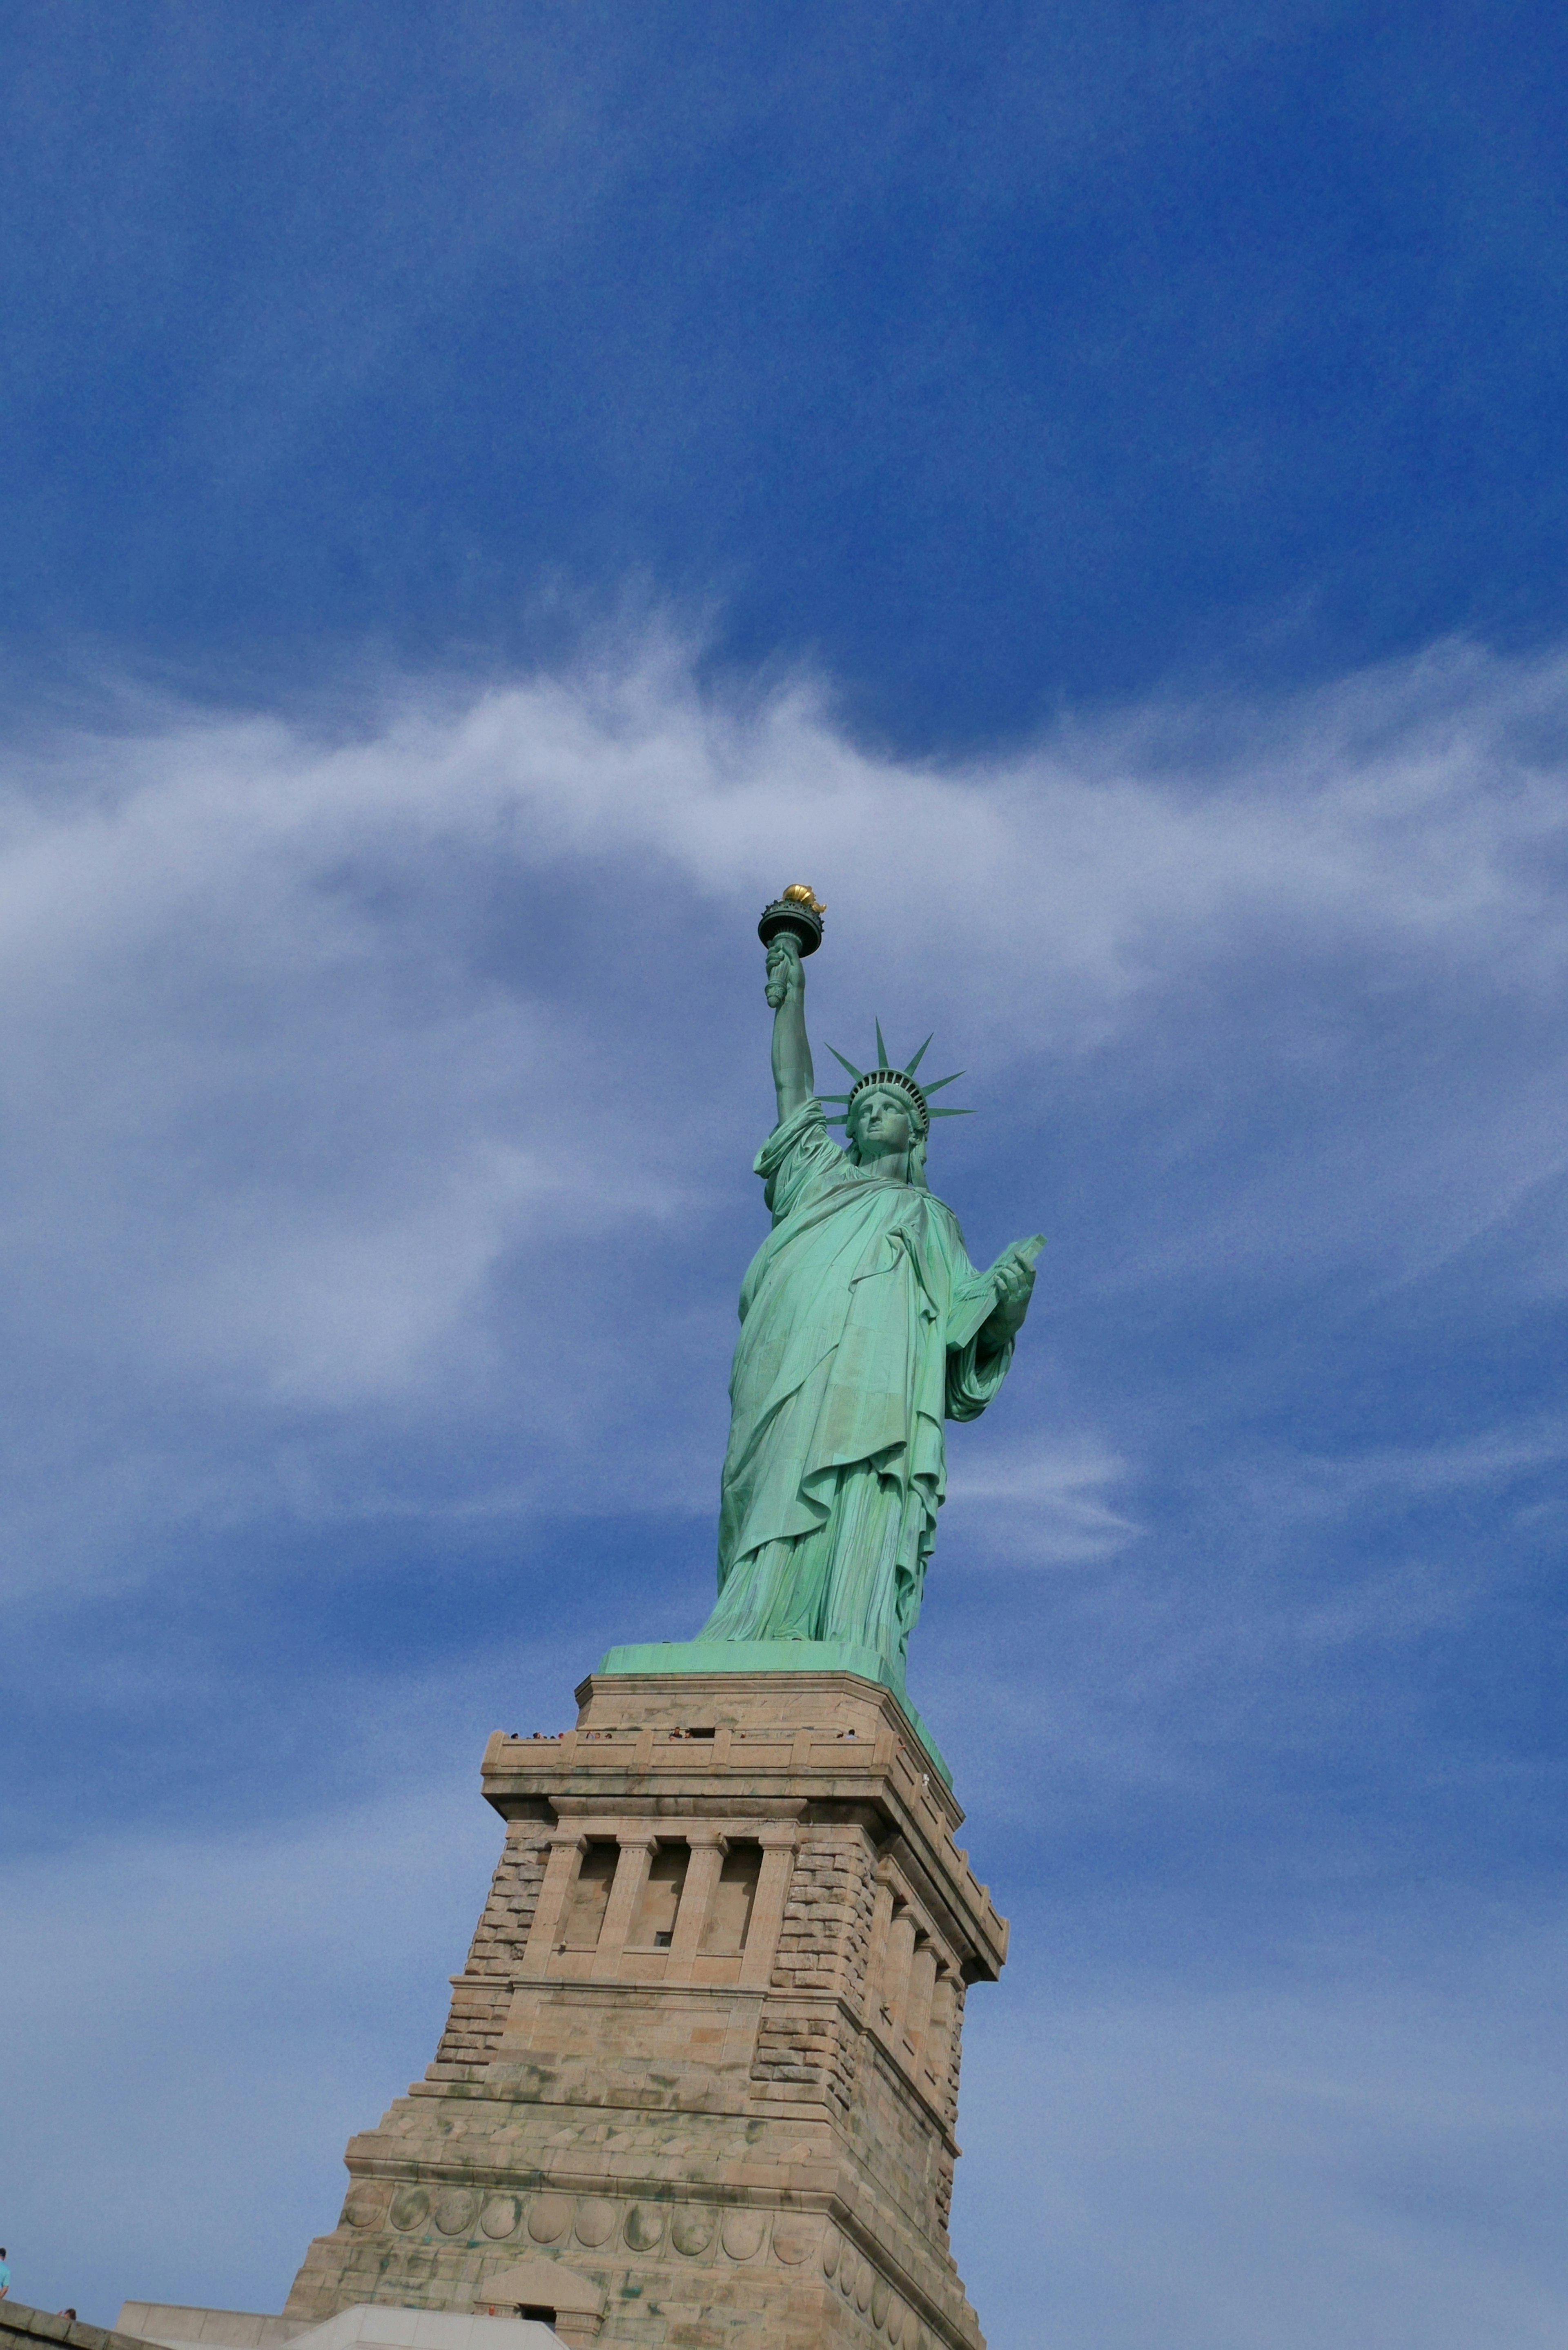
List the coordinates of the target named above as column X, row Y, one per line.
column 660, row 1898
column 590, row 1896
column 725, row 1933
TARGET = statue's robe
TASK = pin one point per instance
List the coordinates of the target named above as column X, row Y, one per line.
column 859, row 1320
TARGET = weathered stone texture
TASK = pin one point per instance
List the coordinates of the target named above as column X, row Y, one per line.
column 482, row 1994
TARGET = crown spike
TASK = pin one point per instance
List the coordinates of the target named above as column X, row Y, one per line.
column 888, row 1071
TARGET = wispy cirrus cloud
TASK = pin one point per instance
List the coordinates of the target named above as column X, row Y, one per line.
column 1043, row 1504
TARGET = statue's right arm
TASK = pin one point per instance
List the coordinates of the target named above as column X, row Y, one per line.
column 794, row 1079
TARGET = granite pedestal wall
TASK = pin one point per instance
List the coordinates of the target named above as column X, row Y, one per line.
column 702, row 2063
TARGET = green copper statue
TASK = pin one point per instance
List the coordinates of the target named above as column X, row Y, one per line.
column 863, row 1326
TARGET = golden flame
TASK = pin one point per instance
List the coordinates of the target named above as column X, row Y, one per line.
column 800, row 893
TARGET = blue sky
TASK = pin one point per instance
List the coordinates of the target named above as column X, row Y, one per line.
column 487, row 499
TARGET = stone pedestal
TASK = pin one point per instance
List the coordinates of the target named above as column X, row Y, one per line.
column 700, row 2075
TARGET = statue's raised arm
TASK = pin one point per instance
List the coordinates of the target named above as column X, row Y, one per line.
column 793, row 1077
column 792, row 924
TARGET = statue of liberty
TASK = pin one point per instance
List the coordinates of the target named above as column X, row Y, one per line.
column 863, row 1328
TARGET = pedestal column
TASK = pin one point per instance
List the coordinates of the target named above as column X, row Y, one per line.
column 703, row 1871
column 565, row 1846
column 631, row 1878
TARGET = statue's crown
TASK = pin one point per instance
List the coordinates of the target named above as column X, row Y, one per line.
column 886, row 1074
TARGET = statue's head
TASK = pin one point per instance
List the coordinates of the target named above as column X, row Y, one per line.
column 882, row 1119
column 886, row 1113
column 884, row 1124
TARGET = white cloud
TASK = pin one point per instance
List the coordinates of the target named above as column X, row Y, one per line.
column 1039, row 1505
column 342, row 1075
column 1397, row 1477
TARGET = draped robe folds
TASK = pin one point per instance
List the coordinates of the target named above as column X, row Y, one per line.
column 860, row 1324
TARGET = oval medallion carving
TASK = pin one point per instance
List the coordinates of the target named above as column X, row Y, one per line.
column 830, row 2251
column 499, row 2216
column 410, row 2207
column 863, row 2284
column 596, row 2221
column 879, row 2299
column 794, row 2239
column 693, row 2232
column 366, row 2206
column 741, row 2234
column 896, row 2321
column 550, row 2218
column 454, row 2210
column 847, row 2265
column 645, row 2226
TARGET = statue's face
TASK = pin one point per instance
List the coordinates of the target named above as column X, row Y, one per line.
column 883, row 1123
